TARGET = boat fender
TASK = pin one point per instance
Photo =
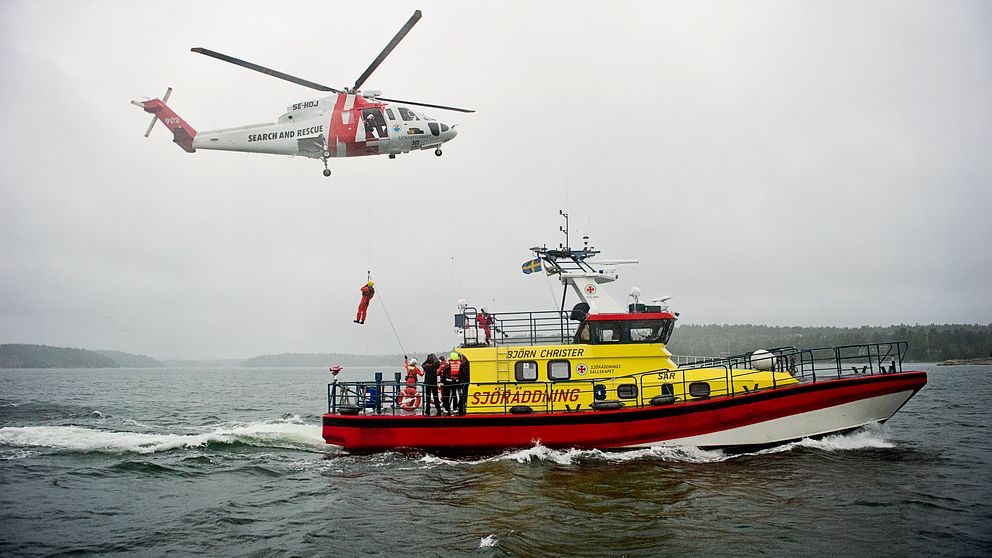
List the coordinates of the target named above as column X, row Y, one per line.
column 607, row 405
column 521, row 410
column 763, row 360
column 349, row 409
column 660, row 400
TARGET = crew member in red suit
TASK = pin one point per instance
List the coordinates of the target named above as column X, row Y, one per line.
column 412, row 370
column 368, row 291
column 485, row 321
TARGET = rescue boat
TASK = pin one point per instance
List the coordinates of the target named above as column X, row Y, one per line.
column 599, row 375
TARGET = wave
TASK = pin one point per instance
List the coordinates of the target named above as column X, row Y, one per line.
column 290, row 433
column 870, row 437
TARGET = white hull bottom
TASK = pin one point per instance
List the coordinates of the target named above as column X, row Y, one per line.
column 838, row 418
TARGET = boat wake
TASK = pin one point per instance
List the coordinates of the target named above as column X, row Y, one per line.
column 288, row 433
column 870, row 437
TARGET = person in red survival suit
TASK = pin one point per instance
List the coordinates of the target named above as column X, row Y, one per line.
column 368, row 291
column 485, row 321
column 412, row 371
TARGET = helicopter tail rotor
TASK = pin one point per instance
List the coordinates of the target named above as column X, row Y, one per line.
column 165, row 99
column 182, row 132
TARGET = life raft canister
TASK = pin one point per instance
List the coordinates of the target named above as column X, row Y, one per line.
column 408, row 399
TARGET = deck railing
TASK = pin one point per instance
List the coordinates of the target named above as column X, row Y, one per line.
column 648, row 388
column 551, row 327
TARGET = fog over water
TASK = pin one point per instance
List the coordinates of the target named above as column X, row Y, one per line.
column 817, row 163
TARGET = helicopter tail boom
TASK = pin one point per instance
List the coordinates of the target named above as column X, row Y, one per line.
column 182, row 132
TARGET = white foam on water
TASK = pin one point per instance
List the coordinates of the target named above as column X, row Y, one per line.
column 10, row 455
column 539, row 452
column 869, row 437
column 488, row 542
column 280, row 434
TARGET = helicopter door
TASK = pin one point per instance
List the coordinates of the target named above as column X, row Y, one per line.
column 375, row 124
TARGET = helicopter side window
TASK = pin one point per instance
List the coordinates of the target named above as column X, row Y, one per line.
column 407, row 114
column 390, row 115
column 375, row 124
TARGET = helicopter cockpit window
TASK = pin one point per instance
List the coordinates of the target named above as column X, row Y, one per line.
column 407, row 114
column 375, row 124
column 433, row 127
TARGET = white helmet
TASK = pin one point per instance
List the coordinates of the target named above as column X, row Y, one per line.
column 413, row 362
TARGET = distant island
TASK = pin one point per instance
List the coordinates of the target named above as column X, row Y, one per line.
column 323, row 359
column 966, row 361
column 44, row 356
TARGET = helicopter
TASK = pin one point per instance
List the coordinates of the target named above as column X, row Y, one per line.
column 350, row 123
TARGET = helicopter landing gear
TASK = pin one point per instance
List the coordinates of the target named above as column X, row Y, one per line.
column 437, row 151
column 327, row 171
column 325, row 155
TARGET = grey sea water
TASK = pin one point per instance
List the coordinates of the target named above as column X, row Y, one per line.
column 230, row 462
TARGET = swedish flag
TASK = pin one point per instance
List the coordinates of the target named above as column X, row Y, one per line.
column 531, row 266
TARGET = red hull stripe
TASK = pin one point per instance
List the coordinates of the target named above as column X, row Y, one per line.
column 608, row 428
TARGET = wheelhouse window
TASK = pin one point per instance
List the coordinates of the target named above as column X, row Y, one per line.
column 651, row 331
column 525, row 371
column 605, row 332
column 559, row 370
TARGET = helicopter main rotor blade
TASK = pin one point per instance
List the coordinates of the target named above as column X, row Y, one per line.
column 264, row 70
column 389, row 48
column 442, row 107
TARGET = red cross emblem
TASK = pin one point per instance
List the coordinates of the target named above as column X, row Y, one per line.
column 581, row 369
column 590, row 289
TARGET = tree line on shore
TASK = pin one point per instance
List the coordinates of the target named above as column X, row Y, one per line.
column 927, row 343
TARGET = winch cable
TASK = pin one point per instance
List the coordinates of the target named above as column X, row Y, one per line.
column 383, row 304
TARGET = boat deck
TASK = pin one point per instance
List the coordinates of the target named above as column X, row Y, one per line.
column 806, row 366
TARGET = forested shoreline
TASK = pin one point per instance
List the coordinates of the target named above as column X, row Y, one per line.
column 927, row 343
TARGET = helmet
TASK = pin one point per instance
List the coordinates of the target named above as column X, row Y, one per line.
column 370, row 283
column 413, row 362
column 454, row 356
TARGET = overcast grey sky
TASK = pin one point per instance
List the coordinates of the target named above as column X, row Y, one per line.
column 784, row 163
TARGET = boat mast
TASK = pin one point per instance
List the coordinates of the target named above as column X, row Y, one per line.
column 574, row 269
